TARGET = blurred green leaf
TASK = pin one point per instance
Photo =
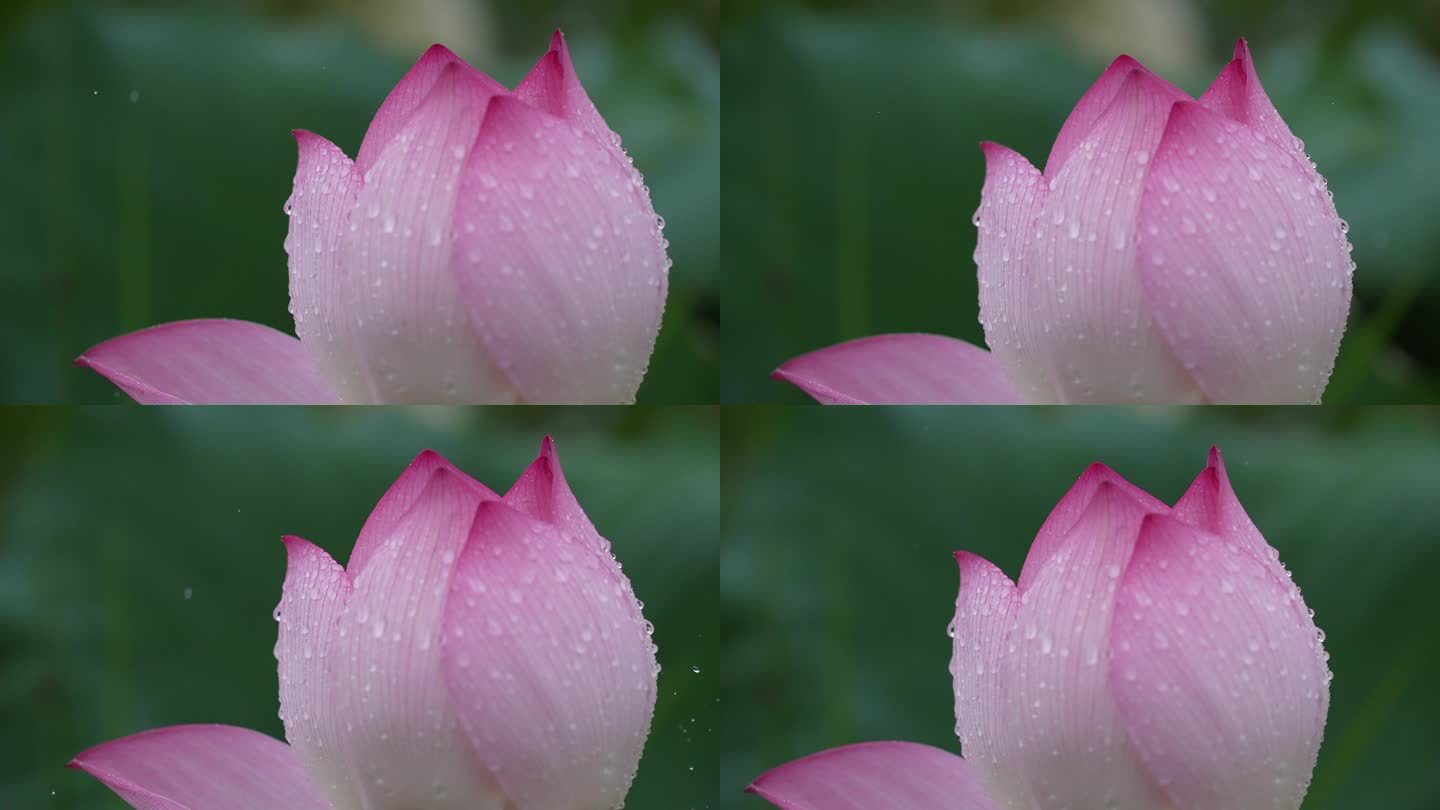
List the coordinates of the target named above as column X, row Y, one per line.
column 147, row 155
column 837, row 581
column 140, row 562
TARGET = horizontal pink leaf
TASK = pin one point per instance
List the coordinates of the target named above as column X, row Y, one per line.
column 871, row 776
column 900, row 369
column 212, row 362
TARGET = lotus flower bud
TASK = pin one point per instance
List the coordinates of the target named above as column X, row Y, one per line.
column 1173, row 250
column 1148, row 658
column 478, row 652
column 484, row 246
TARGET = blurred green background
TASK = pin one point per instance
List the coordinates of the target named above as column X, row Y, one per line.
column 852, row 165
column 140, row 560
column 145, row 154
column 837, row 580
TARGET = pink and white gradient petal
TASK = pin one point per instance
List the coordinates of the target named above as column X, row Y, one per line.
column 867, row 776
column 1086, row 307
column 543, row 493
column 1010, row 200
column 1236, row 94
column 559, row 257
column 320, row 205
column 314, row 595
column 1061, row 725
column 417, row 345
column 213, row 361
column 553, row 87
column 1092, row 106
column 390, row 711
column 984, row 613
column 1243, row 260
column 906, row 369
column 548, row 662
column 202, row 767
column 1223, row 692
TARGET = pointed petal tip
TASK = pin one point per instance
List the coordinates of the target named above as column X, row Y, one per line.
column 438, row 52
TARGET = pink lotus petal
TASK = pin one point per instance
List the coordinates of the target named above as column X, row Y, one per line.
column 553, row 86
column 542, row 493
column 408, row 96
column 1012, row 197
column 1236, row 94
column 326, row 185
column 1217, row 671
column 560, row 258
column 984, row 611
column 870, row 776
column 213, row 361
column 1210, row 504
column 394, row 506
column 202, row 767
column 314, row 596
column 1088, row 315
column 548, row 662
column 1056, row 529
column 1061, row 728
column 900, row 369
column 1093, row 105
column 389, row 710
column 1256, row 313
column 416, row 345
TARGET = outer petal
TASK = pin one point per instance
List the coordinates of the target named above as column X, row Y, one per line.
column 1236, row 94
column 984, row 613
column 1060, row 722
column 1009, row 203
column 1218, row 672
column 202, row 768
column 900, row 369
column 553, row 86
column 892, row 775
column 1087, row 315
column 560, row 258
column 1056, row 529
column 213, row 362
column 412, row 338
column 326, row 185
column 542, row 493
column 549, row 663
column 408, row 96
column 315, row 593
column 391, row 714
column 1092, row 106
column 394, row 506
column 1244, row 262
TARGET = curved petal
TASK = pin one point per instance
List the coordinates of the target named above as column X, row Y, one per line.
column 553, row 86
column 1091, row 106
column 314, row 596
column 984, row 612
column 1218, row 672
column 407, row 97
column 412, row 339
column 1243, row 260
column 1088, row 318
column 542, row 493
column 390, row 712
column 549, row 662
column 1055, row 531
column 866, row 776
column 560, row 258
column 326, row 185
column 202, row 767
column 1236, row 94
column 1011, row 199
column 1060, row 723
column 212, row 362
column 900, row 369
column 394, row 506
